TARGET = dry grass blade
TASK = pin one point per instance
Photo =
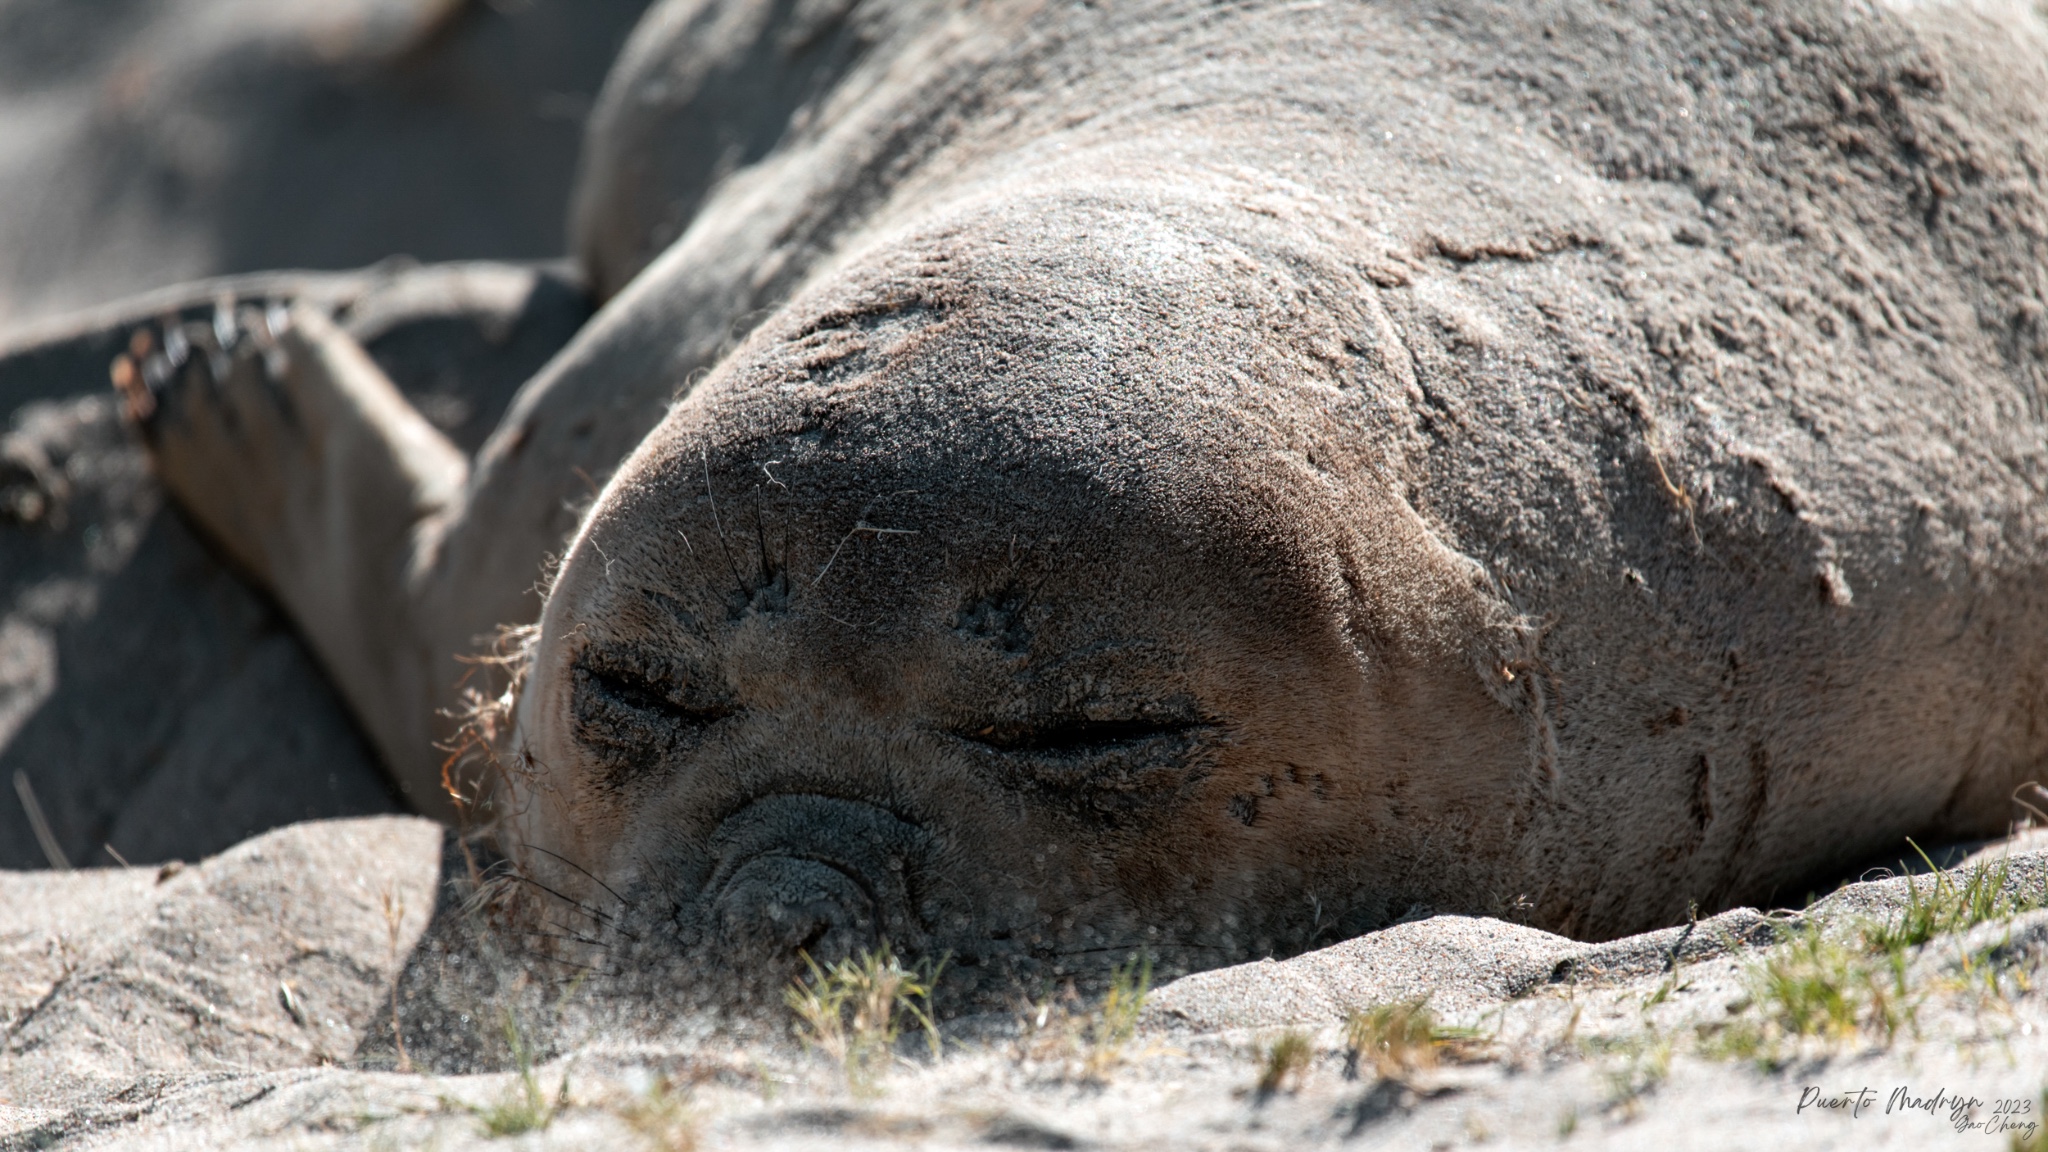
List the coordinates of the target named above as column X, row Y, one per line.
column 1129, row 984
column 854, row 1011
column 1285, row 1063
column 661, row 1114
column 39, row 824
column 394, row 921
column 526, row 1107
column 1399, row 1039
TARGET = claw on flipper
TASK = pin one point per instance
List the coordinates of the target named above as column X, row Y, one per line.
column 158, row 352
column 134, row 396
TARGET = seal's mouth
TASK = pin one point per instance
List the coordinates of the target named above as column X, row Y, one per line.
column 815, row 875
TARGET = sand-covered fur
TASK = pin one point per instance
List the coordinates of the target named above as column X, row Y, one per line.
column 1213, row 482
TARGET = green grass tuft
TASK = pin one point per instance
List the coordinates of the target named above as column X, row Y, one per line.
column 1088, row 1043
column 1815, row 988
column 1645, row 1062
column 1839, row 987
column 1942, row 907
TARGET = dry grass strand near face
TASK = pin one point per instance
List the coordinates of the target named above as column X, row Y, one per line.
column 660, row 1112
column 854, row 1011
column 1399, row 1039
column 479, row 766
column 1285, row 1063
column 394, row 923
column 524, row 1107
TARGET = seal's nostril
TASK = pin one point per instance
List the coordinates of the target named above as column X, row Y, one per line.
column 782, row 905
column 815, row 874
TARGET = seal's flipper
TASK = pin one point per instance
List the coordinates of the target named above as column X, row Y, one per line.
column 457, row 341
column 281, row 437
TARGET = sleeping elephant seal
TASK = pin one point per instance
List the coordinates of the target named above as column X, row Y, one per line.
column 1055, row 482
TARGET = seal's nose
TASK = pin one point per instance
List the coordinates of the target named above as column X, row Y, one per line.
column 827, row 877
column 781, row 905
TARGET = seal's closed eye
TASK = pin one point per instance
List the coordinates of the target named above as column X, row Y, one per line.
column 615, row 699
column 1101, row 765
column 1079, row 735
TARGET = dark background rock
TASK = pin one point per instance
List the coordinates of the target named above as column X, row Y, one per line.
column 147, row 142
column 149, row 697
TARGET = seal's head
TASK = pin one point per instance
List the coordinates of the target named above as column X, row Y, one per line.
column 1019, row 603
